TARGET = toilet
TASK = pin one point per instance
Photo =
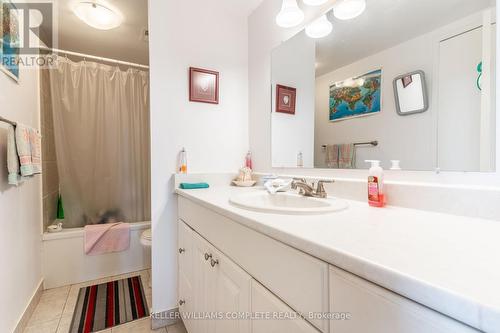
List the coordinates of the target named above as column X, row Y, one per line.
column 146, row 241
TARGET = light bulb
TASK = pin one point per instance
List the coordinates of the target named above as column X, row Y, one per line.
column 319, row 28
column 348, row 9
column 314, row 2
column 97, row 15
column 290, row 15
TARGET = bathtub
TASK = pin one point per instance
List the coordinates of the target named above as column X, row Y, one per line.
column 65, row 262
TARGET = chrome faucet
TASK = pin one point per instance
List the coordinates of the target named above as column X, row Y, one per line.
column 308, row 190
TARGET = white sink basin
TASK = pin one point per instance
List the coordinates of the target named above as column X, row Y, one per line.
column 286, row 203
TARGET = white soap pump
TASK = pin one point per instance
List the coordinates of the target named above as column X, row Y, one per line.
column 395, row 165
column 376, row 197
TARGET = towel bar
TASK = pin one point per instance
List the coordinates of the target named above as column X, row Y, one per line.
column 370, row 143
column 7, row 121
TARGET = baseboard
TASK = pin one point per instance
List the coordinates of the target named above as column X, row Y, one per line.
column 25, row 317
column 164, row 318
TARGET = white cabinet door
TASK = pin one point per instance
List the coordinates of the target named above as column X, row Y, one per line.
column 268, row 309
column 229, row 295
column 203, row 283
column 220, row 290
column 377, row 310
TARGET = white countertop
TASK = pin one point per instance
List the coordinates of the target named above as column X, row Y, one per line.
column 445, row 262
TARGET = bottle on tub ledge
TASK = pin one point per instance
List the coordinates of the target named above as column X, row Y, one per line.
column 376, row 195
column 183, row 161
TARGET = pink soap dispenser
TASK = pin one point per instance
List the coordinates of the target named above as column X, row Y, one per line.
column 248, row 160
column 376, row 196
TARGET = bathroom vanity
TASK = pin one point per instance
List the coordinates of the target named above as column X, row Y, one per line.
column 357, row 270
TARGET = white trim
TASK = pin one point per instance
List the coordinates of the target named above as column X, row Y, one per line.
column 30, row 308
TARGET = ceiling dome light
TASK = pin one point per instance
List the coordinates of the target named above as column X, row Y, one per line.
column 97, row 15
column 314, row 2
column 348, row 9
column 290, row 15
column 319, row 28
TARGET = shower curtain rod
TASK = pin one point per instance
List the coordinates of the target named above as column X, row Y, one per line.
column 89, row 56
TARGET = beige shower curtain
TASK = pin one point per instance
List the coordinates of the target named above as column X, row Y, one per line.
column 101, row 125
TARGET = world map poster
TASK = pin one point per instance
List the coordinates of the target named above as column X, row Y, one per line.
column 356, row 97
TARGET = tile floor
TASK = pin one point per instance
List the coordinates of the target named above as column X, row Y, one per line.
column 54, row 312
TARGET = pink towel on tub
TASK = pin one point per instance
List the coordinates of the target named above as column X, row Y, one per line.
column 106, row 238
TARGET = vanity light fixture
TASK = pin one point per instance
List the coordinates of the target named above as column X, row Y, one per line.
column 290, row 15
column 98, row 15
column 315, row 2
column 319, row 28
column 348, row 9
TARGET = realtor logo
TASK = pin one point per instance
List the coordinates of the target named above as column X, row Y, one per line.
column 25, row 27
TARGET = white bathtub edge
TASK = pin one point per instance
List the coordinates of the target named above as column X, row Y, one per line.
column 78, row 232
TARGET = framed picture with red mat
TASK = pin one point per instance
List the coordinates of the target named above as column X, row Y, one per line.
column 203, row 85
column 285, row 99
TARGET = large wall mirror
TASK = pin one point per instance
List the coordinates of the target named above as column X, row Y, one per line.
column 407, row 80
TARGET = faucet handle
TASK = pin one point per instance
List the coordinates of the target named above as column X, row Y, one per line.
column 320, row 189
column 295, row 180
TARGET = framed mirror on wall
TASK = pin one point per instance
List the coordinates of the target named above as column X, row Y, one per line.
column 410, row 92
column 417, row 77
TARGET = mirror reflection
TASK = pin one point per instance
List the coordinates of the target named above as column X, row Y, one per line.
column 408, row 81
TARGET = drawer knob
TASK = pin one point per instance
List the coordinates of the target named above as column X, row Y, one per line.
column 182, row 302
column 214, row 262
column 182, row 250
column 207, row 256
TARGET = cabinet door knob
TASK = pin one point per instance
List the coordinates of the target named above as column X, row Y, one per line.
column 182, row 302
column 182, row 250
column 207, row 256
column 214, row 262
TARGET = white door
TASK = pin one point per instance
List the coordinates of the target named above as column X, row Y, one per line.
column 229, row 295
column 186, row 274
column 459, row 110
column 202, row 285
column 268, row 308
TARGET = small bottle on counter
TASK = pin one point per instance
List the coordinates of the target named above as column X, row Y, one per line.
column 300, row 160
column 248, row 160
column 183, row 161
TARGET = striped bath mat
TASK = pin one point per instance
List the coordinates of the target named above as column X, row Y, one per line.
column 109, row 304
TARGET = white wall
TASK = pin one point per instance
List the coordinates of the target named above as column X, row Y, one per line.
column 410, row 138
column 294, row 133
column 20, row 207
column 209, row 35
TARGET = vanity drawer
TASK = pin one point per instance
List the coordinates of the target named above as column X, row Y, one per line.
column 377, row 310
column 300, row 280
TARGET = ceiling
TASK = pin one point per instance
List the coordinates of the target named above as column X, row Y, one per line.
column 123, row 43
column 387, row 23
column 126, row 42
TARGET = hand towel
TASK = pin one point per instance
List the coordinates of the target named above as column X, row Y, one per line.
column 347, row 156
column 193, row 186
column 14, row 177
column 106, row 238
column 24, row 149
column 36, row 150
column 332, row 156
